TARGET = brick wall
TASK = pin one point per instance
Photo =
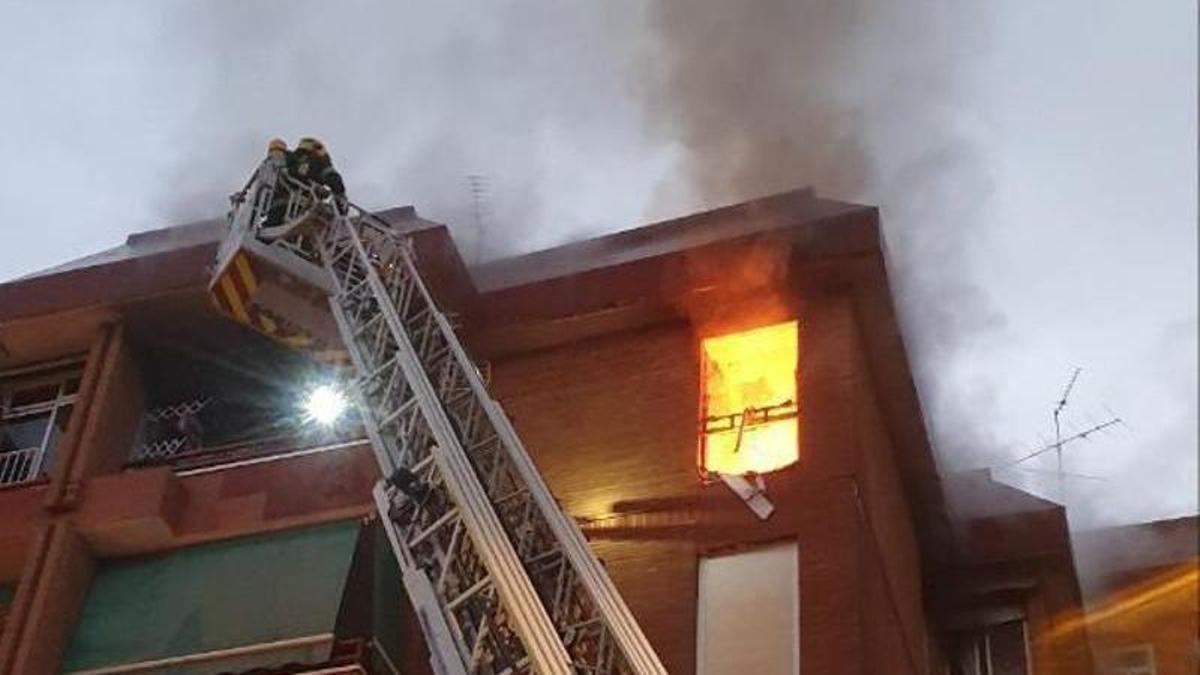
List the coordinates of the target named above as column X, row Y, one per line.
column 612, row 424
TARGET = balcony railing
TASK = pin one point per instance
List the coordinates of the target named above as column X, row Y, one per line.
column 242, row 452
column 20, row 466
column 175, row 435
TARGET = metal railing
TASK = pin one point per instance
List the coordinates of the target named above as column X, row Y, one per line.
column 170, row 430
column 20, row 466
column 174, row 435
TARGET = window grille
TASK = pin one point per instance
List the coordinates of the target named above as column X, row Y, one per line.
column 172, row 430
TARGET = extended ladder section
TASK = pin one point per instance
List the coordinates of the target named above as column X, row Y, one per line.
column 501, row 578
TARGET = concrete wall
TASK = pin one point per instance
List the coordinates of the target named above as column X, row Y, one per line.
column 53, row 585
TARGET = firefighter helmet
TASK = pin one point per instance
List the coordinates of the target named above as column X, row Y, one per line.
column 277, row 144
column 312, row 145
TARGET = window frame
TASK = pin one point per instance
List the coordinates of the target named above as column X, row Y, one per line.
column 1111, row 656
column 66, row 379
column 979, row 642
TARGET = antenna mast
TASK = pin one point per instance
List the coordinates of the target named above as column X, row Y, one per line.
column 1060, row 442
column 477, row 185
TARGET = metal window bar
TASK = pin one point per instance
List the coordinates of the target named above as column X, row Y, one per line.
column 169, row 446
column 511, row 582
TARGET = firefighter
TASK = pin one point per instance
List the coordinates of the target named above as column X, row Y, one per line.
column 330, row 178
column 408, row 483
column 409, row 490
column 271, row 173
column 302, row 161
column 311, row 163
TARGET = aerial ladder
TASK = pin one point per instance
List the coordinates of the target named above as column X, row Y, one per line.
column 501, row 578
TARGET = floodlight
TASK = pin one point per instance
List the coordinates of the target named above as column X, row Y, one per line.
column 324, row 405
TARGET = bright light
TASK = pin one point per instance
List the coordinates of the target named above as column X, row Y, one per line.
column 324, row 405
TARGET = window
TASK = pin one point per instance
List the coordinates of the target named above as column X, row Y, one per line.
column 749, row 410
column 1135, row 660
column 748, row 612
column 999, row 649
column 35, row 408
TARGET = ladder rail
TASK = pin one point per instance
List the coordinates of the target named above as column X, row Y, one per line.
column 526, row 614
column 583, row 570
column 613, row 609
column 502, row 578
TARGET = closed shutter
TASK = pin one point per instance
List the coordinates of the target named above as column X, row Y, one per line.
column 748, row 613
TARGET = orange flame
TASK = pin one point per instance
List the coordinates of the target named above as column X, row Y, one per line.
column 749, row 386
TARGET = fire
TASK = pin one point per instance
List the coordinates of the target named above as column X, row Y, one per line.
column 749, row 400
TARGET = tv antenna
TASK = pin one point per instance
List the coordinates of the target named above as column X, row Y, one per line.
column 1060, row 442
column 477, row 186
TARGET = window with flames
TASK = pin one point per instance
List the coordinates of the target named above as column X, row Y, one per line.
column 749, row 404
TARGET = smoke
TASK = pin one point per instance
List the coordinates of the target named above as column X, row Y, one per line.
column 590, row 117
column 859, row 99
column 412, row 99
column 573, row 115
column 901, row 105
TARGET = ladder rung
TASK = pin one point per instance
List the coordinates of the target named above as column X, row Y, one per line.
column 391, row 417
column 466, row 595
column 434, row 527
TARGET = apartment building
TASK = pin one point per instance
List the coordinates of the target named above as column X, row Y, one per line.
column 723, row 401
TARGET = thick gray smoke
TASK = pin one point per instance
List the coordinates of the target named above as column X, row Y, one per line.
column 859, row 100
column 900, row 105
column 1037, row 192
column 412, row 99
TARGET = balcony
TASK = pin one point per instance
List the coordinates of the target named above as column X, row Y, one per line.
column 206, row 432
column 215, row 393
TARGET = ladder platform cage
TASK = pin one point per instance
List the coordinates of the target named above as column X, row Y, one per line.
column 268, row 277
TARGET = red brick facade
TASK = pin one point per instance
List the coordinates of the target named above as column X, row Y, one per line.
column 613, row 421
column 594, row 351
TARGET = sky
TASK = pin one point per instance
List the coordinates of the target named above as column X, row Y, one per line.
column 1034, row 163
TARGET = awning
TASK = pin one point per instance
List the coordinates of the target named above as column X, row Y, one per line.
column 259, row 600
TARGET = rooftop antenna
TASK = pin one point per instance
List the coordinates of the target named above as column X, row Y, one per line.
column 477, row 185
column 1058, row 408
column 1060, row 442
